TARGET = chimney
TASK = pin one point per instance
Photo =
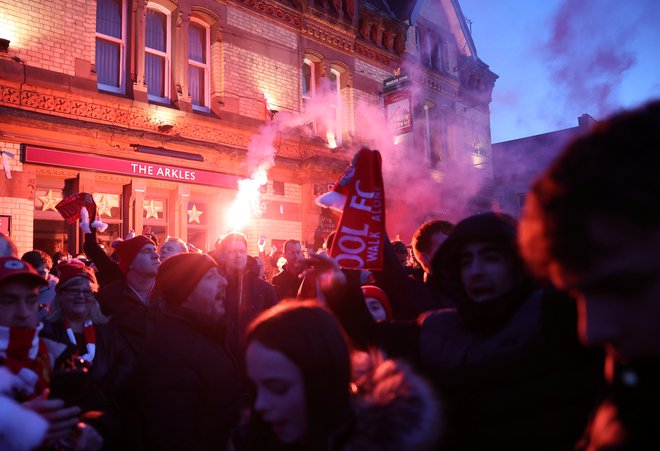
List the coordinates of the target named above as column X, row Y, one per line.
column 585, row 122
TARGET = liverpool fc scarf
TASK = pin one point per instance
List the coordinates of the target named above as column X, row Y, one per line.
column 360, row 195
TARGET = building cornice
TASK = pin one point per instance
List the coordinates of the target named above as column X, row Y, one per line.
column 143, row 118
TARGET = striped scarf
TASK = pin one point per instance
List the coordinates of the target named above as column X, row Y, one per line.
column 90, row 339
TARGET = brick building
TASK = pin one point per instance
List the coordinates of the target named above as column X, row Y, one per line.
column 151, row 106
column 518, row 162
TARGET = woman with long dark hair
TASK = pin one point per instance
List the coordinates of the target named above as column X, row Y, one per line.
column 299, row 362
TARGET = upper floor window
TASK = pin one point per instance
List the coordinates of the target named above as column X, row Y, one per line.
column 334, row 76
column 110, row 44
column 198, row 64
column 432, row 50
column 157, row 53
column 308, row 80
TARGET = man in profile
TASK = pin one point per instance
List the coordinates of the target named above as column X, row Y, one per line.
column 592, row 226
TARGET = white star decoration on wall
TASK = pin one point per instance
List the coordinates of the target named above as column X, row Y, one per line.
column 103, row 207
column 194, row 214
column 49, row 201
column 152, row 209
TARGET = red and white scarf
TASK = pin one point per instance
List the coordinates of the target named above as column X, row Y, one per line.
column 24, row 353
column 90, row 339
column 360, row 195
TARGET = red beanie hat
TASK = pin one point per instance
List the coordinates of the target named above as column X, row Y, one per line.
column 372, row 291
column 74, row 268
column 179, row 275
column 127, row 250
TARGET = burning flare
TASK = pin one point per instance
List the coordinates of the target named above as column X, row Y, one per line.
column 332, row 142
column 247, row 204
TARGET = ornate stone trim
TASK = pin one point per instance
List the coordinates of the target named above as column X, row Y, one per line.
column 58, row 172
column 328, row 37
column 440, row 87
column 277, row 12
column 324, row 32
column 139, row 118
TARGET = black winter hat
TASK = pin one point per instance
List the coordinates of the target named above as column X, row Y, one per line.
column 179, row 275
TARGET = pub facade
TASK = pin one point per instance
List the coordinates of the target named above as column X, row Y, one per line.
column 152, row 106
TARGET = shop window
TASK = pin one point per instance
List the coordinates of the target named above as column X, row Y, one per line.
column 197, row 224
column 154, row 214
column 110, row 45
column 157, row 53
column 108, row 208
column 199, row 64
column 51, row 236
column 51, row 232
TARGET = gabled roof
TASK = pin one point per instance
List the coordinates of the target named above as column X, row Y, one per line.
column 455, row 21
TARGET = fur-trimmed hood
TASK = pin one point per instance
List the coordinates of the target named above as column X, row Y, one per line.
column 394, row 407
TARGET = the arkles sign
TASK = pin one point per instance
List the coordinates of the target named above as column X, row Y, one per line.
column 134, row 168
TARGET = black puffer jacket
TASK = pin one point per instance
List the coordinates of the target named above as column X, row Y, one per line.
column 187, row 384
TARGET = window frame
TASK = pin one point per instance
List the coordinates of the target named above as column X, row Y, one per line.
column 311, row 91
column 338, row 129
column 205, row 66
column 428, row 150
column 167, row 55
column 121, row 89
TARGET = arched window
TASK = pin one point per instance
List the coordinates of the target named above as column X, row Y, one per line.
column 309, row 73
column 111, row 45
column 158, row 53
column 199, row 57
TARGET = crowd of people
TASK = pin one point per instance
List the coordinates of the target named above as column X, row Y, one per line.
column 485, row 334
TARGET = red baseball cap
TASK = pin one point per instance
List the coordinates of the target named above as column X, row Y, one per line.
column 11, row 267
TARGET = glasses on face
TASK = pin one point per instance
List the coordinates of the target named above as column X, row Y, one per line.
column 72, row 293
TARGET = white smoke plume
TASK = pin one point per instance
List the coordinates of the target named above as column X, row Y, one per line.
column 412, row 189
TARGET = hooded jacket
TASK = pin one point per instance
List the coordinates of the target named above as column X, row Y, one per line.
column 486, row 317
column 515, row 380
column 510, row 367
